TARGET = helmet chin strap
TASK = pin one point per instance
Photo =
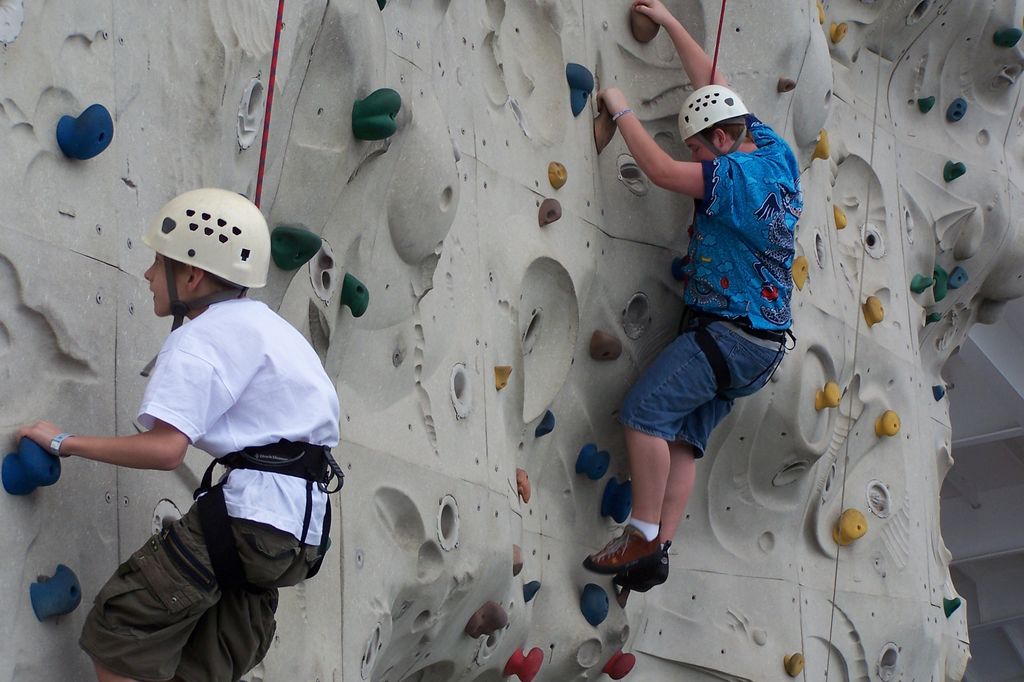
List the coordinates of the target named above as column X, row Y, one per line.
column 180, row 309
column 702, row 138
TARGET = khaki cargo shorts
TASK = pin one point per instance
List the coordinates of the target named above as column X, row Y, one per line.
column 162, row 616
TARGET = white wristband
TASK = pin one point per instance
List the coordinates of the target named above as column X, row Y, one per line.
column 622, row 113
column 55, row 444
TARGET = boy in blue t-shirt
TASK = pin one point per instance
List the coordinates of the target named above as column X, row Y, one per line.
column 737, row 276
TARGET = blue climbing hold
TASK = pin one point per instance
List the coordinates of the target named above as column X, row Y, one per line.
column 617, row 500
column 546, row 426
column 592, row 462
column 55, row 596
column 679, row 269
column 594, row 604
column 86, row 136
column 939, row 392
column 530, row 590
column 957, row 110
column 957, row 278
column 581, row 83
column 29, row 468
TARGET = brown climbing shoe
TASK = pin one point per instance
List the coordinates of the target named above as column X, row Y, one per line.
column 628, row 550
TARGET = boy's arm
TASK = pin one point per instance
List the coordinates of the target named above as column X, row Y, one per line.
column 695, row 60
column 685, row 177
column 163, row 447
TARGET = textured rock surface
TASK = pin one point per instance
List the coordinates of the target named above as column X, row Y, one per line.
column 440, row 222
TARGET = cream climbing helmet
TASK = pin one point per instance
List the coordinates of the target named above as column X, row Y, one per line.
column 219, row 231
column 707, row 106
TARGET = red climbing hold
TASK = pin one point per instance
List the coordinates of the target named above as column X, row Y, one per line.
column 525, row 667
column 619, row 665
column 725, row 282
column 770, row 292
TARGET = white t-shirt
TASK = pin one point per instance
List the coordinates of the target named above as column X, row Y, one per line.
column 239, row 375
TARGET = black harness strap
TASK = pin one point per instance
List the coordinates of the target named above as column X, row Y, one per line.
column 713, row 354
column 312, row 463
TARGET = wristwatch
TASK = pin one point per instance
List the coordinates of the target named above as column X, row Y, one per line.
column 55, row 444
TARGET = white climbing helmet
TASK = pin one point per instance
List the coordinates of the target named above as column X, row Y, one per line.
column 219, row 231
column 707, row 106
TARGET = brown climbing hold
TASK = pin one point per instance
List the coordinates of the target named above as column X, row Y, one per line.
column 550, row 211
column 644, row 28
column 523, row 485
column 501, row 375
column 487, row 619
column 517, row 560
column 604, row 127
column 604, row 346
column 786, row 85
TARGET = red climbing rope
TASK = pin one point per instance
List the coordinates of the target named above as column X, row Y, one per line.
column 718, row 43
column 270, row 102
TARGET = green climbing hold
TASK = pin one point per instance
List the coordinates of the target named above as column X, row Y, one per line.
column 949, row 606
column 932, row 317
column 1007, row 37
column 925, row 104
column 381, row 3
column 355, row 295
column 373, row 118
column 292, row 247
column 941, row 283
column 920, row 283
column 953, row 170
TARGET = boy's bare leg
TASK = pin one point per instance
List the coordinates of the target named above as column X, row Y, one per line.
column 682, row 471
column 649, row 465
column 104, row 675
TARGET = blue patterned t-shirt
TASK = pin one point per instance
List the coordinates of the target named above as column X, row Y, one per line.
column 740, row 258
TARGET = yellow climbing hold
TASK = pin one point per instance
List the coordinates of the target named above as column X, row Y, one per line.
column 794, row 664
column 501, row 375
column 800, row 272
column 828, row 396
column 837, row 32
column 851, row 527
column 821, row 13
column 840, row 216
column 557, row 174
column 888, row 424
column 873, row 311
column 822, row 150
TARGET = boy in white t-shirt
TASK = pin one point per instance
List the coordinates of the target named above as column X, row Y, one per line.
column 196, row 603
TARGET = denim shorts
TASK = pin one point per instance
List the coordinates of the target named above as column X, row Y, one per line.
column 676, row 398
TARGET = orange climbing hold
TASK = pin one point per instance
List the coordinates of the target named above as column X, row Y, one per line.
column 821, row 13
column 837, row 32
column 851, row 527
column 524, row 666
column 501, row 375
column 823, row 149
column 794, row 664
column 523, row 485
column 888, row 424
column 828, row 396
column 840, row 216
column 619, row 665
column 873, row 311
column 557, row 175
column 800, row 272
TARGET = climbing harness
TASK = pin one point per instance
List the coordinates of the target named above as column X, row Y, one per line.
column 312, row 463
column 270, row 103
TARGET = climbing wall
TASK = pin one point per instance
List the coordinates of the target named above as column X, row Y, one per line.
column 510, row 306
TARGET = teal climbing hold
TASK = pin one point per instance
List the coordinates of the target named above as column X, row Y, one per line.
column 56, row 595
column 941, row 286
column 29, row 468
column 594, row 604
column 920, row 283
column 938, row 392
column 292, row 247
column 530, row 590
column 581, row 83
column 617, row 500
column 957, row 278
column 957, row 110
column 373, row 118
column 925, row 104
column 953, row 170
column 1007, row 37
column 932, row 318
column 592, row 462
column 86, row 135
column 381, row 3
column 949, row 606
column 546, row 425
column 355, row 295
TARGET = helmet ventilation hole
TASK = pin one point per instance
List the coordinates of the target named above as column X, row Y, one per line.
column 168, row 225
column 193, row 227
column 223, row 238
column 236, row 231
column 245, row 254
column 221, row 222
column 190, row 212
column 206, row 216
column 208, row 231
column 191, row 253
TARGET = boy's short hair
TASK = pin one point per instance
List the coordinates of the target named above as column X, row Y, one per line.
column 733, row 127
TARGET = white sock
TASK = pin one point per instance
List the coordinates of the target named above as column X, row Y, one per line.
column 650, row 530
